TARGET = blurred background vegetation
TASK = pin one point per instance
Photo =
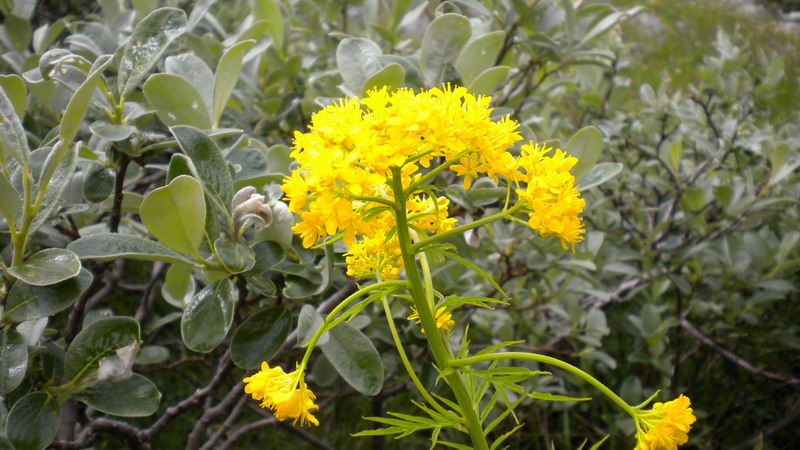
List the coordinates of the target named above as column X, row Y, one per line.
column 687, row 281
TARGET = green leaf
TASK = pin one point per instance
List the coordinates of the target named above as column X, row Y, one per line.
column 176, row 101
column 149, row 40
column 152, row 354
column 357, row 60
column 46, row 267
column 675, row 152
column 99, row 184
column 263, row 286
column 13, row 360
column 112, row 131
column 355, row 358
column 599, row 174
column 57, row 172
column 16, row 92
column 43, row 37
column 134, row 396
column 211, row 166
column 441, row 45
column 600, row 442
column 488, row 80
column 98, row 339
column 12, row 136
column 546, row 396
column 479, row 55
column 175, row 214
column 227, row 75
column 209, row 316
column 198, row 11
column 178, row 282
column 109, row 246
column 268, row 255
column 76, row 108
column 9, row 199
column 298, row 288
column 235, row 256
column 26, row 302
column 259, row 337
column 607, row 22
column 33, row 422
column 180, row 164
column 194, row 70
column 269, row 11
column 392, row 76
column 308, row 323
column 585, row 145
column 18, row 31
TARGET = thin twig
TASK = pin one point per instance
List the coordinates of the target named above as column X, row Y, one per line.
column 198, row 432
column 241, row 431
column 727, row 354
column 147, row 297
column 305, row 435
column 772, row 429
column 224, row 366
column 119, row 181
column 76, row 315
column 234, row 414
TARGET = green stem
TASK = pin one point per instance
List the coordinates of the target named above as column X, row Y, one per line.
column 467, row 226
column 330, row 321
column 20, row 239
column 553, row 362
column 373, row 199
column 433, row 173
column 427, row 279
column 403, row 357
column 435, row 341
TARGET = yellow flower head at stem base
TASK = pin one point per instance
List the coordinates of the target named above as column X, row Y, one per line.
column 665, row 426
column 444, row 320
column 285, row 394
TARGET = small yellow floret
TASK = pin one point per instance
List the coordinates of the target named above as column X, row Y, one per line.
column 665, row 426
column 444, row 320
column 285, row 394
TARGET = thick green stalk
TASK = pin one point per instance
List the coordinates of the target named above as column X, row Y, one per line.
column 435, row 341
column 553, row 362
column 407, row 363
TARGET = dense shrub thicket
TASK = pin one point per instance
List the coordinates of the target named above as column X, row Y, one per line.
column 136, row 296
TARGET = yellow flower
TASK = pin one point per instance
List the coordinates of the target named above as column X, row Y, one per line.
column 552, row 200
column 444, row 320
column 285, row 394
column 347, row 156
column 377, row 255
column 665, row 426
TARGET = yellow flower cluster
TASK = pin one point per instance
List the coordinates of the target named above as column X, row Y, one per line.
column 444, row 320
column 665, row 426
column 552, row 200
column 285, row 394
column 343, row 176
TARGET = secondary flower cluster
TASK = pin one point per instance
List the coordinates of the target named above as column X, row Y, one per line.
column 285, row 394
column 343, row 181
column 665, row 426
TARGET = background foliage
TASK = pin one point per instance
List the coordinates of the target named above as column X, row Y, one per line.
column 687, row 281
